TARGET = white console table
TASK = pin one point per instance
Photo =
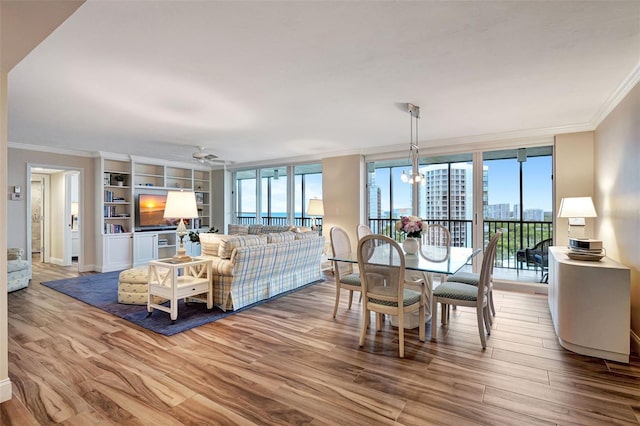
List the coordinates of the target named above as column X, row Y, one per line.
column 590, row 305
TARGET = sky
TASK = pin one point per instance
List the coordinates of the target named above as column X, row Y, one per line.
column 503, row 176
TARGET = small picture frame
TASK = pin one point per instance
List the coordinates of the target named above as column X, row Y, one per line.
column 199, row 198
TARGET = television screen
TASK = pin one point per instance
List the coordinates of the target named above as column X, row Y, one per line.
column 150, row 212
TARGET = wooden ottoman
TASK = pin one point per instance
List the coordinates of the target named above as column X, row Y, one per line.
column 133, row 287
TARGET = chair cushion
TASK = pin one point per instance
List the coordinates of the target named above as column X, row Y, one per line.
column 17, row 265
column 465, row 277
column 410, row 297
column 15, row 253
column 456, row 290
column 351, row 279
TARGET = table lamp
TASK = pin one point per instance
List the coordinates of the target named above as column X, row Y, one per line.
column 181, row 205
column 576, row 209
column 314, row 209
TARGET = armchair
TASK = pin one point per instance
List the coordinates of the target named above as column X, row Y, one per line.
column 18, row 270
column 538, row 256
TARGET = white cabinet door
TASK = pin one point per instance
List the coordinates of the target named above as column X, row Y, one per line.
column 116, row 252
column 145, row 247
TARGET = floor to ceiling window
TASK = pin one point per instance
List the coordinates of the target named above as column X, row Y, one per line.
column 276, row 200
column 520, row 200
column 516, row 193
column 445, row 196
column 244, row 196
column 274, row 196
column 308, row 185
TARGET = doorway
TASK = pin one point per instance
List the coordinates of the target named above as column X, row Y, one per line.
column 54, row 206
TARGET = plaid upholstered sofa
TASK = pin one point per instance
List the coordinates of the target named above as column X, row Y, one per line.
column 253, row 267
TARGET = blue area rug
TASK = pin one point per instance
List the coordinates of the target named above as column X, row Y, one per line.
column 101, row 291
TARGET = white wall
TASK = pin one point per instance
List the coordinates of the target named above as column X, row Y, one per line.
column 5, row 383
column 57, row 219
column 617, row 192
column 20, row 158
column 573, row 175
column 342, row 194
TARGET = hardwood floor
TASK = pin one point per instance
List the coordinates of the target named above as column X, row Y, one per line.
column 289, row 362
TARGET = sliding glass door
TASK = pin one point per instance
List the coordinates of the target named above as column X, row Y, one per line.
column 520, row 200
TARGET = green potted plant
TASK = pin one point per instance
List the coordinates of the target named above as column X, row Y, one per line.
column 119, row 180
column 194, row 236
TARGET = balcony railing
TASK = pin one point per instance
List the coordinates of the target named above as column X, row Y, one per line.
column 518, row 236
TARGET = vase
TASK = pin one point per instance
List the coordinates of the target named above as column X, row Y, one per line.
column 411, row 245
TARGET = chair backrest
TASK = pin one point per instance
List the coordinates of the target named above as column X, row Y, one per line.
column 381, row 264
column 362, row 231
column 436, row 235
column 486, row 271
column 341, row 247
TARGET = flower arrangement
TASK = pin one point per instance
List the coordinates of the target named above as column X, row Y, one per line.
column 413, row 226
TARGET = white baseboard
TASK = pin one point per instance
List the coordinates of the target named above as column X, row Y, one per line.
column 5, row 390
column 635, row 343
column 521, row 286
column 56, row 261
column 87, row 268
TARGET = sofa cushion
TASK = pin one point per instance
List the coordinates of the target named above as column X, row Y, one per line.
column 210, row 243
column 302, row 229
column 306, row 235
column 227, row 245
column 17, row 265
column 269, row 229
column 280, row 237
column 238, row 229
column 255, row 229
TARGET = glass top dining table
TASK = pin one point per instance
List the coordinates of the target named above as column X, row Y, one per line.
column 432, row 259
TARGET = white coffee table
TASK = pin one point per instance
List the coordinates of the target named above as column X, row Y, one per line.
column 178, row 280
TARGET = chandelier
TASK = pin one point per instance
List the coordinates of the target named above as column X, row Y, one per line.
column 414, row 155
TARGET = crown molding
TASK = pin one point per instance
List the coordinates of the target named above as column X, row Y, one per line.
column 617, row 96
column 44, row 148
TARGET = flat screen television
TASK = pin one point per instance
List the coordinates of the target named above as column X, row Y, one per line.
column 149, row 212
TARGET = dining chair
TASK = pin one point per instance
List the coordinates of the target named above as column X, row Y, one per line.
column 346, row 278
column 363, row 230
column 473, row 278
column 383, row 286
column 437, row 235
column 461, row 294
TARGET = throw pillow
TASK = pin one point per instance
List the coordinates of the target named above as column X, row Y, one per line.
column 306, row 235
column 280, row 237
column 210, row 243
column 238, row 229
column 226, row 247
column 255, row 229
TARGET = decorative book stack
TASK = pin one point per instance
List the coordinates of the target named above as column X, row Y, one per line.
column 585, row 249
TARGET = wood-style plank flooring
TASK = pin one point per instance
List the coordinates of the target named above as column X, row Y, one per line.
column 289, row 362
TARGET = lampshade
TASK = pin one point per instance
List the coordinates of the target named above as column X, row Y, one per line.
column 577, row 207
column 180, row 205
column 315, row 207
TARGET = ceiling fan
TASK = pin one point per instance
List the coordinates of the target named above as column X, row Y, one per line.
column 204, row 157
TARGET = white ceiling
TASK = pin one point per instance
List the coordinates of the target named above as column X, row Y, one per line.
column 259, row 81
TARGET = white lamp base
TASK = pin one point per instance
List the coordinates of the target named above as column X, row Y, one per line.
column 181, row 255
column 576, row 231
